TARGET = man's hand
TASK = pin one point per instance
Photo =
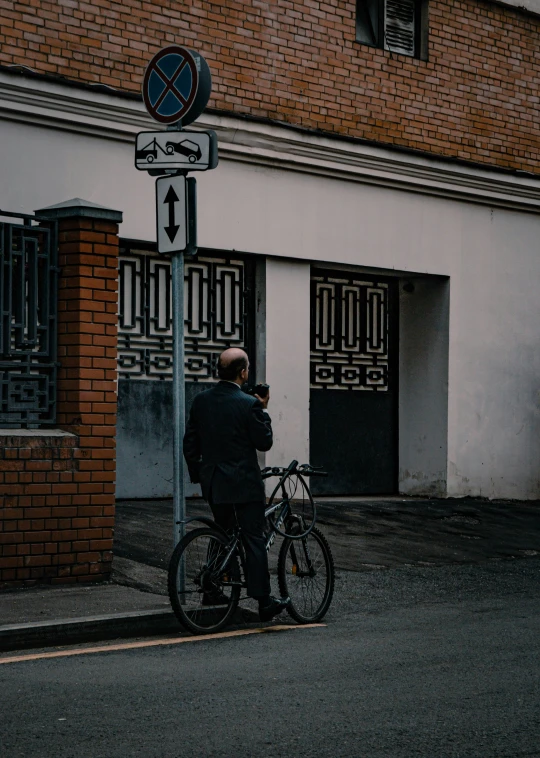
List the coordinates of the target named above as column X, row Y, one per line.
column 263, row 400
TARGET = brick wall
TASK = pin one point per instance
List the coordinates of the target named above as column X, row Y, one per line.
column 46, row 533
column 57, row 491
column 87, row 340
column 476, row 98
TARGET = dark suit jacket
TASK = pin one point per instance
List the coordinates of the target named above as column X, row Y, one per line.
column 225, row 429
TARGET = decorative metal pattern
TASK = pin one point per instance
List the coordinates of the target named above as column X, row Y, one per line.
column 215, row 316
column 349, row 333
column 28, row 322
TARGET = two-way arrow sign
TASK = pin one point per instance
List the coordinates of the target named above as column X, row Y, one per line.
column 176, row 214
column 170, row 199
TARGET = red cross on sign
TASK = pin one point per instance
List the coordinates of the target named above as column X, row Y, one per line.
column 171, row 83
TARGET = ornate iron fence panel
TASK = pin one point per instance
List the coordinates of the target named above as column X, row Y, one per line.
column 349, row 333
column 217, row 297
column 28, row 321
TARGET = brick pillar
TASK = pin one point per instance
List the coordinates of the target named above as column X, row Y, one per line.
column 87, row 380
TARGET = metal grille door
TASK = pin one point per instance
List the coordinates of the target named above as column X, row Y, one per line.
column 28, row 322
column 216, row 297
column 219, row 313
column 349, row 339
column 353, row 404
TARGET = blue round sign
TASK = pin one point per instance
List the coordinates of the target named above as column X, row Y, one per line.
column 176, row 83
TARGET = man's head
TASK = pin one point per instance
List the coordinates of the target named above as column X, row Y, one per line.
column 233, row 365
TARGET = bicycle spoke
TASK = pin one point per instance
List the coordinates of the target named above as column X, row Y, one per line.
column 209, row 593
column 306, row 575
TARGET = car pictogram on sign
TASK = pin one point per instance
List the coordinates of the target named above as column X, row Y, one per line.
column 185, row 147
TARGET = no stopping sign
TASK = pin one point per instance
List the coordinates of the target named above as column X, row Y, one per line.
column 176, row 85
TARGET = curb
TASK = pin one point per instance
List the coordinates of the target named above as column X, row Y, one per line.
column 88, row 629
column 93, row 628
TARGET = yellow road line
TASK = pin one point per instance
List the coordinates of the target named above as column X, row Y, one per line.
column 154, row 643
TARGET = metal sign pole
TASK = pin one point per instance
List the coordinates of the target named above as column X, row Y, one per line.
column 171, row 155
column 179, row 400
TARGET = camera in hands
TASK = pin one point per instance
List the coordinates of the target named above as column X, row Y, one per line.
column 259, row 389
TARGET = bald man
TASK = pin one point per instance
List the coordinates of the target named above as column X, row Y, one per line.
column 225, row 429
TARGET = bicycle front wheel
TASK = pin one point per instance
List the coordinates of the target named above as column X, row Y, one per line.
column 306, row 575
column 294, row 491
column 203, row 597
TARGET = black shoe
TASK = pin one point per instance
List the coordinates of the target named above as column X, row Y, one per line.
column 215, row 598
column 275, row 606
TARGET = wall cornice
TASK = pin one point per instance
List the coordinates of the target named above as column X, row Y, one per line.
column 56, row 106
column 528, row 6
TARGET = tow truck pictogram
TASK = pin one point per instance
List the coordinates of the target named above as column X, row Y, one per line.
column 150, row 151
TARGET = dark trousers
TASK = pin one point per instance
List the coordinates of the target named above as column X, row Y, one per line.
column 250, row 518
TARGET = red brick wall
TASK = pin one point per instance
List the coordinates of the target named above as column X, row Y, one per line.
column 46, row 534
column 57, row 493
column 476, row 98
column 87, row 339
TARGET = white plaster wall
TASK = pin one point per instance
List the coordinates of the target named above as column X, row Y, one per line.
column 276, row 212
column 491, row 257
column 287, row 359
column 494, row 368
column 240, row 206
column 41, row 166
column 423, row 386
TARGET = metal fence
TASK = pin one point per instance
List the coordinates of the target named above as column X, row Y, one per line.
column 218, row 314
column 28, row 320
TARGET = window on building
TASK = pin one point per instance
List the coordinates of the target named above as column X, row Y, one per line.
column 396, row 25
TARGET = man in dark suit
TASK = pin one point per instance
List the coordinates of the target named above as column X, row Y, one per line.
column 225, row 429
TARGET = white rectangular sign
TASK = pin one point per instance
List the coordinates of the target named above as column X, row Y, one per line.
column 171, row 214
column 178, row 150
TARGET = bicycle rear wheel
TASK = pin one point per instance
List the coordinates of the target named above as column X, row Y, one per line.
column 306, row 575
column 202, row 599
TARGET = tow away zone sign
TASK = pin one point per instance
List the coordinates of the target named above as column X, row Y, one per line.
column 176, row 150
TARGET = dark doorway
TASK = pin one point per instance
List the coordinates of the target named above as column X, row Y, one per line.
column 354, row 383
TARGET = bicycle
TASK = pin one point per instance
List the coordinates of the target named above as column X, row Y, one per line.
column 207, row 568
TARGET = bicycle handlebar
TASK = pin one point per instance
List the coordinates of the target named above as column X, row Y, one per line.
column 307, row 470
column 304, row 469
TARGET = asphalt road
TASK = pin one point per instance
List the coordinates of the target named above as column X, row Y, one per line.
column 436, row 662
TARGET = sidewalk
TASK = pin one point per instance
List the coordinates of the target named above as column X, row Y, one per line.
column 44, row 616
column 365, row 534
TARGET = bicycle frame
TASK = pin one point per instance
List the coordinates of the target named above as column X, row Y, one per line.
column 285, row 510
column 235, row 544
